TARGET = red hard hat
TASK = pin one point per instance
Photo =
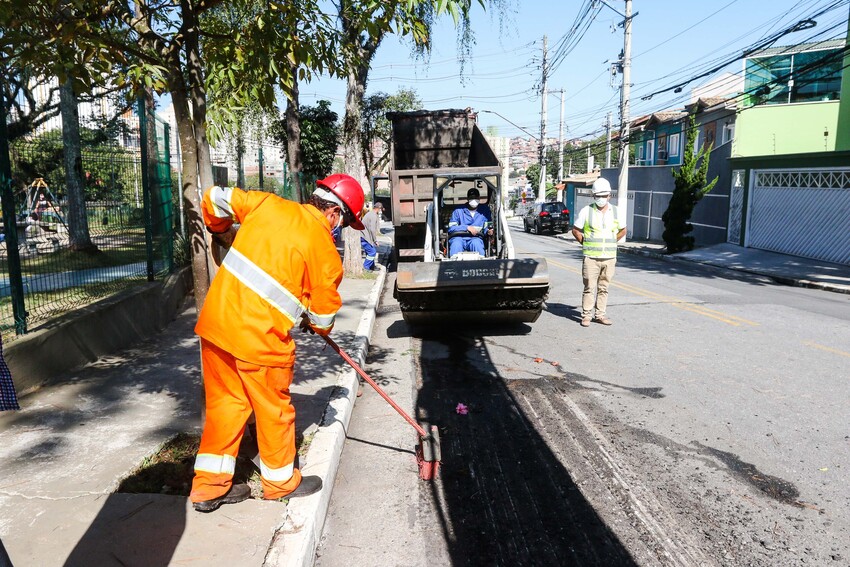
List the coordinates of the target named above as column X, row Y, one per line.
column 349, row 191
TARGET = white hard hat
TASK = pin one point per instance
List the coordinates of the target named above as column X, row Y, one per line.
column 601, row 187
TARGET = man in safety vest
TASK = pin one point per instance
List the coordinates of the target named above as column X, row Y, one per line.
column 598, row 228
column 282, row 270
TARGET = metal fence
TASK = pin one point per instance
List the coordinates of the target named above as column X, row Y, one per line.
column 58, row 252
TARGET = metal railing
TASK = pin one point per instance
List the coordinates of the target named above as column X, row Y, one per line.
column 58, row 252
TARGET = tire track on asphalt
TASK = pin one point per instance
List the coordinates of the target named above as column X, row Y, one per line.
column 668, row 544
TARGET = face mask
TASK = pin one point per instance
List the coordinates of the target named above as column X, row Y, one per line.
column 339, row 223
column 601, row 201
column 473, row 203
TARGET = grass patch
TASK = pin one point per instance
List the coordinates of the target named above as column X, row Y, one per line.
column 170, row 470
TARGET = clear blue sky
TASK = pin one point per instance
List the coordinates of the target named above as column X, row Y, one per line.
column 672, row 40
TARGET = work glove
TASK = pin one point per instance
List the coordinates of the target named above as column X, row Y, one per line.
column 306, row 326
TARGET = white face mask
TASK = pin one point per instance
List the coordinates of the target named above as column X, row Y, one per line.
column 601, row 201
column 473, row 203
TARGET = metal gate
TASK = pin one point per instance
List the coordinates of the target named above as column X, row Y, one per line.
column 802, row 212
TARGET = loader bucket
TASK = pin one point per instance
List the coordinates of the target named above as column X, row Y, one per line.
column 486, row 291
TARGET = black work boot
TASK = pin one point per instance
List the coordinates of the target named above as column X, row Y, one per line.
column 237, row 493
column 309, row 485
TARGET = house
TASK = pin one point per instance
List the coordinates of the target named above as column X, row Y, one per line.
column 791, row 100
column 715, row 119
column 790, row 157
column 659, row 144
column 660, row 139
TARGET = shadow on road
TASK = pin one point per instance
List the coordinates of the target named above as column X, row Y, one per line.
column 503, row 497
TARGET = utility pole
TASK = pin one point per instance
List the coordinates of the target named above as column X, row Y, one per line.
column 626, row 62
column 561, row 150
column 608, row 141
column 541, row 190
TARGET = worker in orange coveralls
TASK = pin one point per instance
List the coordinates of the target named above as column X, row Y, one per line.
column 282, row 269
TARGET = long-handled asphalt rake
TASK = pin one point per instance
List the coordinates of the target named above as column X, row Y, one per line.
column 428, row 448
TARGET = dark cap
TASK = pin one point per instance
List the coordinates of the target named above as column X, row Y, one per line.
column 472, row 193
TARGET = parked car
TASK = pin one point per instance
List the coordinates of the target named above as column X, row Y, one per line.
column 547, row 217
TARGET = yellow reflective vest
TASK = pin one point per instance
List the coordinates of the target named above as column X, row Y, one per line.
column 600, row 240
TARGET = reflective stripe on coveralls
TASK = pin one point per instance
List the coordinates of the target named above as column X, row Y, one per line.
column 269, row 289
column 600, row 241
column 215, row 464
column 220, row 199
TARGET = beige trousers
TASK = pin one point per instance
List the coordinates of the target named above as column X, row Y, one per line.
column 596, row 273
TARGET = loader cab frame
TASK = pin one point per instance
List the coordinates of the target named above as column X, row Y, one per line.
column 450, row 193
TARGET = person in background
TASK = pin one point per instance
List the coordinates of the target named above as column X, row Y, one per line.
column 282, row 270
column 369, row 236
column 598, row 228
column 467, row 227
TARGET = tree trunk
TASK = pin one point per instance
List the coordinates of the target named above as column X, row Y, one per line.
column 353, row 154
column 197, row 92
column 191, row 196
column 352, row 260
column 352, row 145
column 292, row 123
column 78, row 225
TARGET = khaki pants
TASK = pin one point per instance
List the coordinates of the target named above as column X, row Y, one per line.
column 596, row 273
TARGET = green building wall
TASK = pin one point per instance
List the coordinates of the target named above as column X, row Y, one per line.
column 776, row 129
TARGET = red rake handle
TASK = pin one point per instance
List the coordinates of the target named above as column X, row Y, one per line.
column 378, row 389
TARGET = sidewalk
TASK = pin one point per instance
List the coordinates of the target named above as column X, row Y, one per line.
column 782, row 268
column 63, row 455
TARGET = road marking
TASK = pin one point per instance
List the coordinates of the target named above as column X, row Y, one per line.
column 826, row 348
column 733, row 320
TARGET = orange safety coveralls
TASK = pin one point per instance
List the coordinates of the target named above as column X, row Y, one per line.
column 283, row 262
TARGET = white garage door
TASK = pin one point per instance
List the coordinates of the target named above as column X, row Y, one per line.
column 803, row 212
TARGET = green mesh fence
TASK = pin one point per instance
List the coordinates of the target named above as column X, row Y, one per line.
column 76, row 251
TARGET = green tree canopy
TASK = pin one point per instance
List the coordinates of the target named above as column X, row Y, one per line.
column 376, row 129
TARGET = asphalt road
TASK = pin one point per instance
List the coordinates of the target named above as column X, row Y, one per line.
column 707, row 426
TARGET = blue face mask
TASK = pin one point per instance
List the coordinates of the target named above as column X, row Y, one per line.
column 336, row 233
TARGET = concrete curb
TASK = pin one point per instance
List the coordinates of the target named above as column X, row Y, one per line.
column 784, row 280
column 295, row 540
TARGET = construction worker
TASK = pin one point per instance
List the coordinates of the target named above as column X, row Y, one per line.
column 369, row 236
column 282, row 269
column 468, row 226
column 597, row 228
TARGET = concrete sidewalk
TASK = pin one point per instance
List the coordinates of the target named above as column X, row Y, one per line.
column 64, row 454
column 782, row 268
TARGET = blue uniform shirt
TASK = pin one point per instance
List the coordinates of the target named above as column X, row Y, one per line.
column 462, row 219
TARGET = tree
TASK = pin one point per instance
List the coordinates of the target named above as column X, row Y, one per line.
column 365, row 24
column 690, row 188
column 532, row 175
column 78, row 224
column 319, row 138
column 158, row 45
column 376, row 129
